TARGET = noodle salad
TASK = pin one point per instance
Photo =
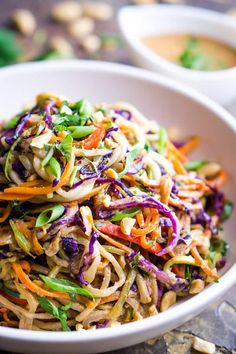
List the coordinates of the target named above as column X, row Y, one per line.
column 104, row 220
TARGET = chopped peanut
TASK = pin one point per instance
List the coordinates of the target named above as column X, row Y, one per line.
column 81, row 28
column 126, row 225
column 24, row 21
column 203, row 346
column 61, row 45
column 66, row 11
column 106, row 200
column 91, row 44
column 168, row 300
column 197, row 286
column 98, row 10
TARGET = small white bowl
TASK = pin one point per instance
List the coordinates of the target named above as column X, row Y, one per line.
column 136, row 22
column 161, row 99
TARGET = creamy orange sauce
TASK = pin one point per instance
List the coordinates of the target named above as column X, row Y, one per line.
column 171, row 46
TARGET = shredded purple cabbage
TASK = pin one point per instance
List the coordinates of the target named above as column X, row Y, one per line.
column 115, row 182
column 144, row 202
column 148, row 267
column 48, row 117
column 19, row 128
column 102, row 324
column 87, row 259
column 18, row 167
column 69, row 245
column 109, row 130
column 124, row 113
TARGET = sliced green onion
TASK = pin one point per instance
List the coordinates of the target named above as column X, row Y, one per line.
column 65, row 146
column 195, row 165
column 59, row 313
column 21, row 240
column 73, row 175
column 11, row 123
column 81, row 132
column 162, row 141
column 49, row 215
column 117, row 308
column 48, row 156
column 227, row 211
column 55, row 168
column 180, row 260
column 129, row 159
column 65, row 286
column 8, row 159
column 128, row 213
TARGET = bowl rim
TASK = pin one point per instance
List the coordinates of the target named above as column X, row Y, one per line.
column 197, row 14
column 194, row 303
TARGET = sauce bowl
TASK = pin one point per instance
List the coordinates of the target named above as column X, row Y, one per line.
column 137, row 22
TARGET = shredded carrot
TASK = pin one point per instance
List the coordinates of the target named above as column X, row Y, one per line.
column 36, row 245
column 179, row 270
column 177, row 153
column 5, row 214
column 200, row 261
column 94, row 139
column 115, row 231
column 218, row 180
column 140, row 219
column 33, row 287
column 4, row 312
column 25, row 266
column 179, row 168
column 103, row 265
column 114, row 243
column 14, row 196
column 44, row 190
column 190, row 145
column 23, row 228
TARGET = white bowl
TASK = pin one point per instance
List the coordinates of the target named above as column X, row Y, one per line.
column 159, row 98
column 136, row 22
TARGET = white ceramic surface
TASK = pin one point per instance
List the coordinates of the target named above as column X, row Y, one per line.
column 170, row 104
column 136, row 22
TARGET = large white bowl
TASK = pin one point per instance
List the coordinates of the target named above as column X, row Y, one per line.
column 160, row 99
column 136, row 22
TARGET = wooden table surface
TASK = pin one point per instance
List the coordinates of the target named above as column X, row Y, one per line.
column 215, row 324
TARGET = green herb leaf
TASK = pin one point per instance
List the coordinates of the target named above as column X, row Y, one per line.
column 134, row 263
column 65, row 147
column 162, row 141
column 83, row 108
column 129, row 159
column 21, row 240
column 48, row 156
column 81, row 132
column 49, row 215
column 12, row 122
column 195, row 165
column 9, row 48
column 227, row 211
column 191, row 58
column 55, row 168
column 52, row 54
column 59, row 313
column 66, row 286
column 188, row 273
column 128, row 213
